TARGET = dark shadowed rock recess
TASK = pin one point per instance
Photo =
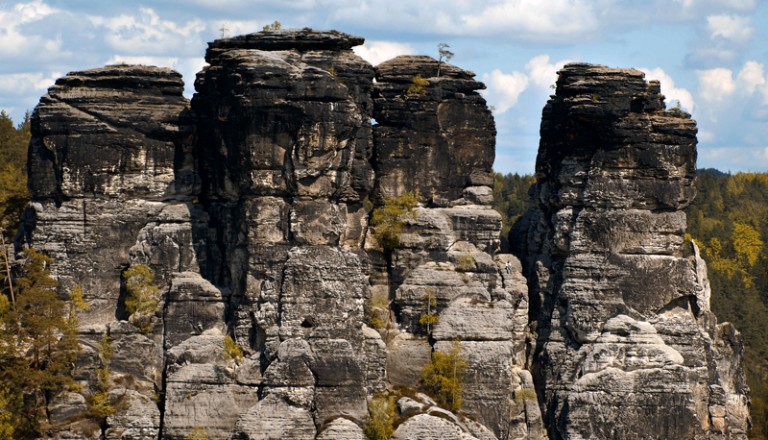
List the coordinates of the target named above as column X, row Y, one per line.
column 627, row 345
column 252, row 204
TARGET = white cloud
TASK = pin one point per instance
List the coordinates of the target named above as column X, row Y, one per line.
column 231, row 28
column 16, row 41
column 730, row 27
column 668, row 89
column 504, row 88
column 543, row 73
column 736, row 5
column 19, row 84
column 187, row 67
column 733, row 158
column 33, row 11
column 534, row 19
column 716, row 85
column 706, row 136
column 750, row 86
column 376, row 52
column 147, row 33
column 752, row 77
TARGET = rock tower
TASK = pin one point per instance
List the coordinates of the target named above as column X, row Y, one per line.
column 627, row 345
column 279, row 314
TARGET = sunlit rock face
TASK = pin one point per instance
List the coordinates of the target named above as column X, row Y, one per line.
column 280, row 316
column 627, row 345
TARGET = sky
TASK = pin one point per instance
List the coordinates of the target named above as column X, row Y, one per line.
column 711, row 56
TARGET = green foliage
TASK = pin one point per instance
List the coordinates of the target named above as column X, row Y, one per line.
column 38, row 346
column 388, row 220
column 377, row 312
column 728, row 220
column 523, row 395
column 13, row 170
column 105, row 357
column 510, row 199
column 198, row 433
column 232, row 350
column 444, row 55
column 465, row 263
column 7, row 419
column 445, row 375
column 275, row 26
column 142, row 296
column 380, row 422
column 418, row 86
column 77, row 299
column 430, row 317
column 332, row 71
column 99, row 404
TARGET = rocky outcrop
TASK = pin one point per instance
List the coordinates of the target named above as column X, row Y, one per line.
column 284, row 140
column 280, row 315
column 112, row 177
column 437, row 138
column 627, row 345
column 440, row 143
column 251, row 206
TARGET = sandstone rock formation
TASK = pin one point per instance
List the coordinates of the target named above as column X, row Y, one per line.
column 627, row 345
column 251, row 205
column 279, row 315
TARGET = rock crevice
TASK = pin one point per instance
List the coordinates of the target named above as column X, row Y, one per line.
column 280, row 316
column 620, row 299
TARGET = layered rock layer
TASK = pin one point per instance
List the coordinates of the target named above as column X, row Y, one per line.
column 251, row 207
column 439, row 142
column 627, row 345
column 279, row 315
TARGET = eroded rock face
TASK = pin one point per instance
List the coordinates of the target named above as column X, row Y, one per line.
column 284, row 137
column 252, row 209
column 627, row 345
column 112, row 180
column 440, row 140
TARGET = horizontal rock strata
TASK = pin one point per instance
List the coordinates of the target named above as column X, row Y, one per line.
column 627, row 345
column 278, row 312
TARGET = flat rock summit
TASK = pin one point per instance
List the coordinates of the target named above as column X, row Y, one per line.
column 282, row 313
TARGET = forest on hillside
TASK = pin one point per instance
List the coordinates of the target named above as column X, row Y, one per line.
column 13, row 171
column 728, row 220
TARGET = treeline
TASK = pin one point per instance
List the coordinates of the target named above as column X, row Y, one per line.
column 729, row 222
column 13, row 170
column 510, row 199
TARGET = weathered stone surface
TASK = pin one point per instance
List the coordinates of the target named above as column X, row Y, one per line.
column 275, row 122
column 427, row 427
column 342, row 429
column 202, row 390
column 406, row 356
column 285, row 136
column 253, row 213
column 435, row 142
column 139, row 416
column 274, row 419
column 111, row 131
column 625, row 344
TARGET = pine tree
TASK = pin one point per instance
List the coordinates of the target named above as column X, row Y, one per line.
column 38, row 345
